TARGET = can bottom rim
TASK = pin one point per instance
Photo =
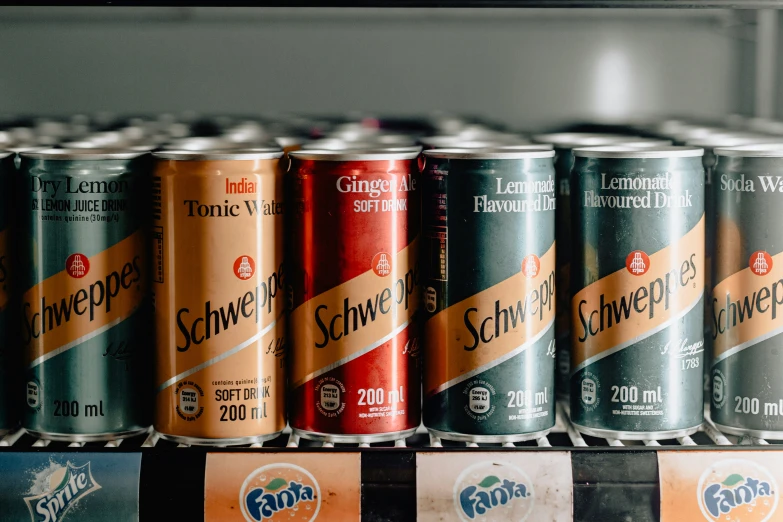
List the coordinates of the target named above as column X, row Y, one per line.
column 86, row 437
column 637, row 435
column 759, row 434
column 489, row 439
column 353, row 439
column 236, row 441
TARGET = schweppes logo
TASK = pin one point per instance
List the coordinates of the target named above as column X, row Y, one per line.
column 278, row 492
column 207, row 322
column 737, row 490
column 86, row 298
column 747, row 306
column 643, row 297
column 491, row 326
column 358, row 315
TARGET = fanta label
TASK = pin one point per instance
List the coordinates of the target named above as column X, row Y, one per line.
column 276, row 491
column 282, row 487
column 720, row 486
column 483, row 487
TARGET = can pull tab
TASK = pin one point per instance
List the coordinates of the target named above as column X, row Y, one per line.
column 422, row 162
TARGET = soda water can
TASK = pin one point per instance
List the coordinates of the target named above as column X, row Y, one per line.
column 638, row 284
column 564, row 143
column 709, row 144
column 8, row 388
column 747, row 300
column 488, row 263
column 355, row 366
column 220, row 307
column 83, row 269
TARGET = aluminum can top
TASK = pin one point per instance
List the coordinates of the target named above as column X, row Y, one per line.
column 625, row 152
column 227, row 154
column 766, row 150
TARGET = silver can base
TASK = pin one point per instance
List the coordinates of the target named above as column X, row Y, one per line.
column 489, row 439
column 636, row 435
column 759, row 434
column 237, row 441
column 86, row 437
column 354, row 439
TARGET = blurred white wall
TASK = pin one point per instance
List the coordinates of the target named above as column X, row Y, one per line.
column 525, row 69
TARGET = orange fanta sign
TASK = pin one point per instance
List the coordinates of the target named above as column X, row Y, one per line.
column 736, row 486
column 272, row 487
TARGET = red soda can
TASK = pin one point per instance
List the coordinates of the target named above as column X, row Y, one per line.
column 354, row 284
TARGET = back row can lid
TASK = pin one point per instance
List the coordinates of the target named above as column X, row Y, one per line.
column 83, row 154
column 228, row 154
column 767, row 150
column 626, row 152
column 524, row 152
column 394, row 153
column 570, row 140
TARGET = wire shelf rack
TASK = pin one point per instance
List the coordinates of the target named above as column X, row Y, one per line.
column 563, row 436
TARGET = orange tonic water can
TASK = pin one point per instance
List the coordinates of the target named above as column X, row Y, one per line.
column 219, row 300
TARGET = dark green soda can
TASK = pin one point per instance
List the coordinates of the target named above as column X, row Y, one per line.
column 709, row 144
column 84, row 274
column 8, row 411
column 746, row 309
column 488, row 256
column 637, row 333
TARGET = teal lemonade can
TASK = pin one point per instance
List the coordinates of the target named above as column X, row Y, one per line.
column 8, row 410
column 85, row 309
column 488, row 222
column 637, row 313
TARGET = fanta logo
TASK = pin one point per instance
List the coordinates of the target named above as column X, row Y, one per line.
column 280, row 492
column 760, row 263
column 63, row 487
column 737, row 490
column 488, row 488
column 637, row 262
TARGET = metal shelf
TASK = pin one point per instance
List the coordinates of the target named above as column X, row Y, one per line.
column 562, row 437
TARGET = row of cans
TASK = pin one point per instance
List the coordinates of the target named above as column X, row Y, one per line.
column 333, row 278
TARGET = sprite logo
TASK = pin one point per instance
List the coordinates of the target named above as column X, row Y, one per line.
column 737, row 490
column 493, row 491
column 280, row 492
column 65, row 487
